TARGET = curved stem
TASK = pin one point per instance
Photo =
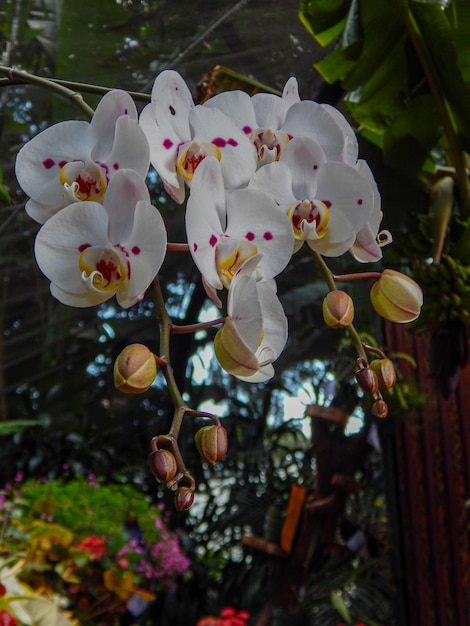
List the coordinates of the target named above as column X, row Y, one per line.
column 74, row 96
column 330, row 281
column 360, row 276
column 165, row 330
column 193, row 328
column 448, row 124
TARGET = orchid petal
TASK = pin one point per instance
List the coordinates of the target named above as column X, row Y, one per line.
column 305, row 158
column 238, row 106
column 350, row 148
column 146, row 248
column 253, row 216
column 173, row 102
column 270, row 110
column 39, row 162
column 275, row 179
column 82, row 300
column 60, row 240
column 129, row 150
column 206, row 217
column 290, row 92
column 112, row 106
column 125, row 189
column 244, row 309
column 310, row 119
column 238, row 160
column 163, row 145
column 344, row 190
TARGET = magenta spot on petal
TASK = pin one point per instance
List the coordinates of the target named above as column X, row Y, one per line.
column 135, row 250
column 195, row 247
column 115, row 166
column 83, row 247
column 290, row 136
column 48, row 163
column 359, row 201
column 247, row 130
column 232, row 142
column 167, row 144
column 219, row 142
column 62, row 163
column 213, row 240
column 268, row 236
column 315, row 167
column 250, row 236
column 126, row 111
column 327, row 203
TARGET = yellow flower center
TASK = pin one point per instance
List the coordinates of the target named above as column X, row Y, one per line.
column 83, row 181
column 193, row 154
column 103, row 269
column 309, row 212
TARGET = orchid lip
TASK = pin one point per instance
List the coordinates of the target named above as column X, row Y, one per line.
column 103, row 269
column 84, row 180
column 192, row 154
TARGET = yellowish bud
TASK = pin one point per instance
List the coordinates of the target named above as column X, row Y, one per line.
column 386, row 373
column 212, row 442
column 134, row 369
column 396, row 297
column 232, row 352
column 338, row 309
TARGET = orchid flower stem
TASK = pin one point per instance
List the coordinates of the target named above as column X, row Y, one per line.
column 344, row 278
column 177, row 247
column 74, row 96
column 330, row 281
column 165, row 330
column 193, row 328
column 375, row 351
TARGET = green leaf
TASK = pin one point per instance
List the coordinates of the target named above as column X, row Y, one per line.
column 409, row 140
column 340, row 605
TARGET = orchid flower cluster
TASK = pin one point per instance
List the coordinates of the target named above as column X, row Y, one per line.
column 260, row 175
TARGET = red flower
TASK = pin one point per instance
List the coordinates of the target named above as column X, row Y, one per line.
column 94, row 545
column 6, row 619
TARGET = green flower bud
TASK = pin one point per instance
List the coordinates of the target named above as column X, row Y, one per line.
column 212, row 442
column 162, row 465
column 184, row 498
column 386, row 373
column 396, row 297
column 134, row 369
column 338, row 309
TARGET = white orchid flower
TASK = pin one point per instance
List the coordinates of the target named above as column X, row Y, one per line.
column 91, row 251
column 182, row 134
column 225, row 230
column 75, row 160
column 255, row 330
column 369, row 241
column 327, row 202
column 272, row 121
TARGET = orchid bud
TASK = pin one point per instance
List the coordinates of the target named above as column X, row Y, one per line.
column 184, row 498
column 338, row 309
column 396, row 297
column 212, row 443
column 163, row 465
column 380, row 409
column 366, row 377
column 134, row 369
column 386, row 373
